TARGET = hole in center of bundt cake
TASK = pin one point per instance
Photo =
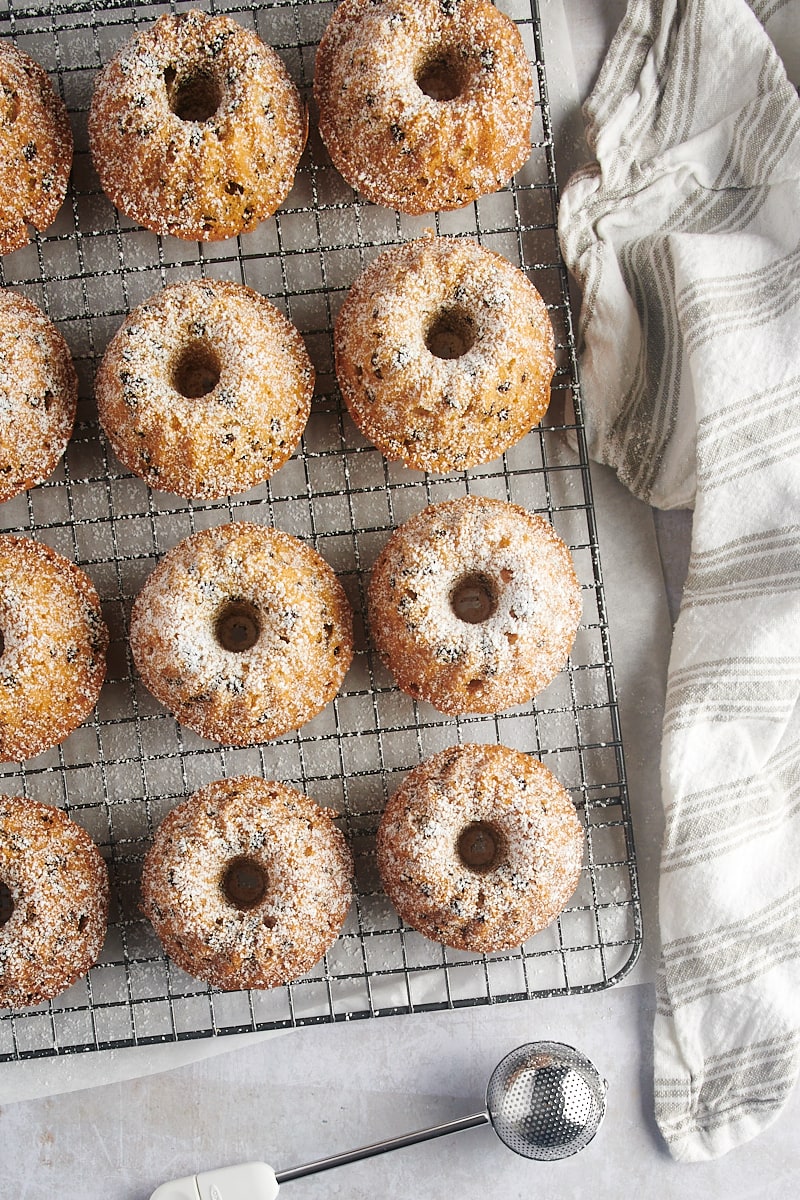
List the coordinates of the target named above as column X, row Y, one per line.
column 473, row 599
column 193, row 96
column 244, row 883
column 441, row 76
column 196, row 370
column 237, row 626
column 479, row 846
column 450, row 334
column 6, row 904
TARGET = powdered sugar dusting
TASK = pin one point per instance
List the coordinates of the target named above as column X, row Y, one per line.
column 304, row 645
column 395, row 143
column 58, row 885
column 494, row 664
column 248, row 424
column 305, row 863
column 539, row 848
column 435, row 413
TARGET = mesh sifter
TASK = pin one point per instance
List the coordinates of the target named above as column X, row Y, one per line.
column 545, row 1101
column 131, row 763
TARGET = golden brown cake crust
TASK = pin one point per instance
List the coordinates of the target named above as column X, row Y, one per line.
column 297, row 889
column 480, row 848
column 424, row 104
column 474, row 605
column 54, row 642
column 444, row 354
column 57, row 885
column 205, row 389
column 243, row 632
column 35, row 148
column 38, row 395
column 229, row 160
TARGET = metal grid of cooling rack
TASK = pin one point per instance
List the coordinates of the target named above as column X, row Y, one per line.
column 131, row 763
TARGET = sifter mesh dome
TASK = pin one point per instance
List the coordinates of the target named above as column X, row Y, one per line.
column 546, row 1100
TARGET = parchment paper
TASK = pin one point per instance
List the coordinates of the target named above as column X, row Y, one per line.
column 640, row 633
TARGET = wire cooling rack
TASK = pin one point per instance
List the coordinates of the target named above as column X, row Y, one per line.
column 131, row 763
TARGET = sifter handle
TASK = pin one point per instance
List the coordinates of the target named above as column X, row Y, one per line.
column 257, row 1181
column 246, row 1181
column 395, row 1143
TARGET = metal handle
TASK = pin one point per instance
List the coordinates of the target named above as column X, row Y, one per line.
column 395, row 1143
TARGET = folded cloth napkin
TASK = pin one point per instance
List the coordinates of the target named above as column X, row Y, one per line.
column 685, row 239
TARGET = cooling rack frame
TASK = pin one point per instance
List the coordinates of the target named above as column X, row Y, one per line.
column 131, row 762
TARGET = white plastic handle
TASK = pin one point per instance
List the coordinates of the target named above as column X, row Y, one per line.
column 247, row 1181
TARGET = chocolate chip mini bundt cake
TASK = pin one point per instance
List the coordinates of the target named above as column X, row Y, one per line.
column 424, row 104
column 480, row 847
column 196, row 128
column 53, row 641
column 205, row 390
column 35, row 148
column 247, row 883
column 38, row 395
column 474, row 605
column 53, row 902
column 243, row 632
column 444, row 354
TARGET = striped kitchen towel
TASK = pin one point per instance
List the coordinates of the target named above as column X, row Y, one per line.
column 685, row 239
